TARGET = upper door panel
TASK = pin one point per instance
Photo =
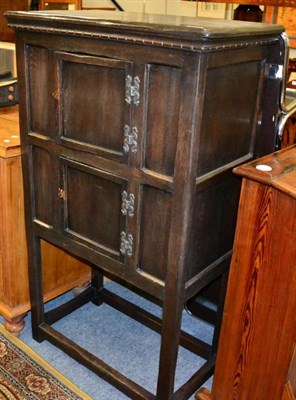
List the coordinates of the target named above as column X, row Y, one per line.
column 93, row 111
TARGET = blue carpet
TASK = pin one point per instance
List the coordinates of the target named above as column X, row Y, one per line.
column 120, row 341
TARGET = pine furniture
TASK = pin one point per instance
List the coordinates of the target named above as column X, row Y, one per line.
column 257, row 354
column 131, row 125
column 62, row 272
column 7, row 34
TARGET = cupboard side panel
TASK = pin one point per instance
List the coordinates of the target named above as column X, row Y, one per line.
column 163, row 91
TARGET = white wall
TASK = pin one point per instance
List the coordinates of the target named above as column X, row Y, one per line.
column 171, row 7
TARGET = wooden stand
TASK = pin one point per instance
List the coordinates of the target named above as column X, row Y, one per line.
column 14, row 291
column 256, row 355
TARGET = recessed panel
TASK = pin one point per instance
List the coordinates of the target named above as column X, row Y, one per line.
column 228, row 115
column 155, row 228
column 42, row 107
column 213, row 222
column 164, row 88
column 93, row 206
column 93, row 104
column 45, row 182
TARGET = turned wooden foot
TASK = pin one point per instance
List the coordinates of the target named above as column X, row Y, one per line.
column 203, row 394
column 15, row 325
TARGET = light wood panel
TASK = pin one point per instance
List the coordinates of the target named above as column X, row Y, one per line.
column 7, row 34
column 258, row 336
column 14, row 287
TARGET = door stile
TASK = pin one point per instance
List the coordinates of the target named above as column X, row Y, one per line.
column 135, row 102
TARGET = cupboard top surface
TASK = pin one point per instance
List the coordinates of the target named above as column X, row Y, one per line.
column 191, row 29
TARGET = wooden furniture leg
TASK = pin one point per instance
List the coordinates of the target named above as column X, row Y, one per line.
column 172, row 317
column 16, row 324
column 97, row 282
column 36, row 292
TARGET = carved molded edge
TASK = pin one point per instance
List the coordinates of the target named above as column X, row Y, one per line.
column 198, row 46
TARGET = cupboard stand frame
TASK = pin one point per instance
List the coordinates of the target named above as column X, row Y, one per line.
column 98, row 294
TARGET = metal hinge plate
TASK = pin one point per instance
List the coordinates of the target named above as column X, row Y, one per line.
column 128, row 204
column 130, row 142
column 132, row 90
column 126, row 244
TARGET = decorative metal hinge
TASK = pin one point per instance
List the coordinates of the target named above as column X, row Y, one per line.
column 61, row 194
column 130, row 142
column 274, row 71
column 132, row 90
column 128, row 203
column 126, row 245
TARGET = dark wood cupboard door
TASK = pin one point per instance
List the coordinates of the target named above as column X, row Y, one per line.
column 93, row 110
column 92, row 201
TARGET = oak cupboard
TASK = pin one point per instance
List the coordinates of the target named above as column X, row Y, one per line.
column 130, row 126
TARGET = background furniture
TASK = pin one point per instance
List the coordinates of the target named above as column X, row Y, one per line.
column 283, row 12
column 7, row 34
column 59, row 4
column 256, row 356
column 73, row 4
column 121, row 114
column 289, row 134
column 62, row 272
